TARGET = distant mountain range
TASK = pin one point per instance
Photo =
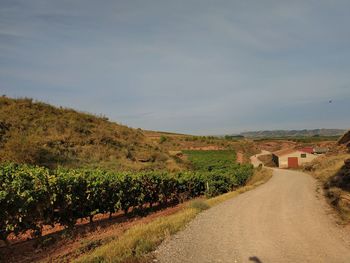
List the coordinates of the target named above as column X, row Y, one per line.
column 294, row 133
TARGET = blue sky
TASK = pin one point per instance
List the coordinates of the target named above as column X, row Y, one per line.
column 200, row 67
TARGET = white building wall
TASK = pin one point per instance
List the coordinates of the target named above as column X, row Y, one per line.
column 283, row 160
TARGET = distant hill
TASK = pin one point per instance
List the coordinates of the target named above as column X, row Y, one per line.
column 38, row 133
column 294, row 133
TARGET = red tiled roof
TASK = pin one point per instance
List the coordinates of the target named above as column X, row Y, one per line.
column 307, row 150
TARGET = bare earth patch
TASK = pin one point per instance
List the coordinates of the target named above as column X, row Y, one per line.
column 60, row 246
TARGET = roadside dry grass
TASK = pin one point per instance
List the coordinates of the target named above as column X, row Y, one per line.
column 137, row 242
column 334, row 176
column 141, row 239
column 260, row 176
column 325, row 167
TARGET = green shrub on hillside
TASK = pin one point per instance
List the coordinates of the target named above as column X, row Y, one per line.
column 162, row 139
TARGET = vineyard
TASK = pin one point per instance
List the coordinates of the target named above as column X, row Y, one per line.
column 223, row 160
column 221, row 166
column 32, row 197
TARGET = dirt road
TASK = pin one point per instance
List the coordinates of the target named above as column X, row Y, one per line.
column 284, row 220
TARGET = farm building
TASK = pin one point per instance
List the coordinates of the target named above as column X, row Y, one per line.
column 292, row 158
column 307, row 149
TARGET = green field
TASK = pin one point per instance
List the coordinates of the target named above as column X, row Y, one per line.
column 212, row 160
column 221, row 168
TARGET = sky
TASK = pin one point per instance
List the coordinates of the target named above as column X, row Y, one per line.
column 200, row 67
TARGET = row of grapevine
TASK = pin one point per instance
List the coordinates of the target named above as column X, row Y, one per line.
column 31, row 197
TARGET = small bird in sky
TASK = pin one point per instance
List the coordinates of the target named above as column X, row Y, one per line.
column 330, row 101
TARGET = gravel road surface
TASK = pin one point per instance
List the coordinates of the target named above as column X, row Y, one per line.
column 284, row 220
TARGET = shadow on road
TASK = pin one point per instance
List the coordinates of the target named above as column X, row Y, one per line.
column 255, row 259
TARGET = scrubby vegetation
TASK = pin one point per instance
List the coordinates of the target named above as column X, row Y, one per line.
column 38, row 133
column 335, row 177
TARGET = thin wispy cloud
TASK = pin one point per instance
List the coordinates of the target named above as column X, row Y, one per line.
column 203, row 67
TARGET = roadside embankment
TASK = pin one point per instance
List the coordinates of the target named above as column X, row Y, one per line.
column 333, row 172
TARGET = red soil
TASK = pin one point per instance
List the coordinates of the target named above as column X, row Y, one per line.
column 58, row 244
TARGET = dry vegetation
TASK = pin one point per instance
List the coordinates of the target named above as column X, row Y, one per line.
column 37, row 133
column 335, row 177
column 266, row 159
column 177, row 142
column 333, row 170
column 260, row 176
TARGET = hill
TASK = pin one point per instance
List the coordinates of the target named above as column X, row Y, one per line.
column 345, row 139
column 293, row 133
column 175, row 143
column 38, row 133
